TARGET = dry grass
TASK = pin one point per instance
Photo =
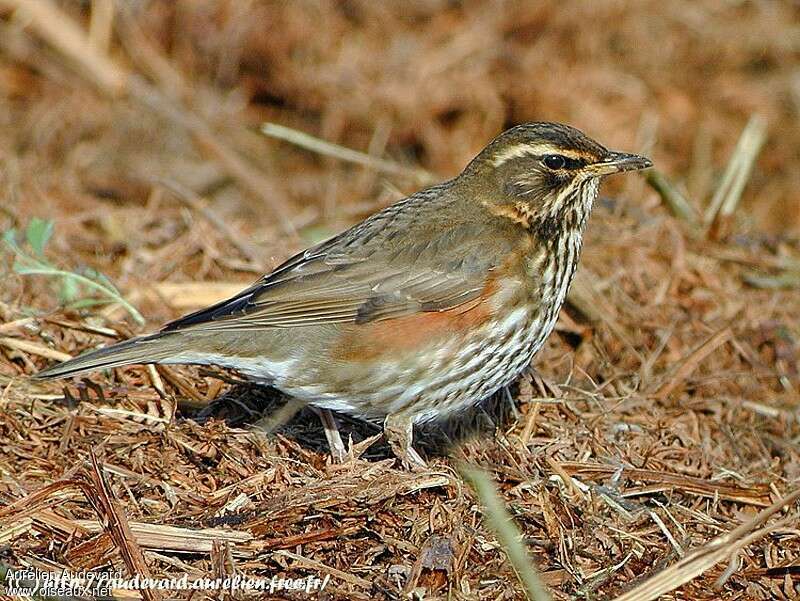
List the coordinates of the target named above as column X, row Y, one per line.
column 663, row 416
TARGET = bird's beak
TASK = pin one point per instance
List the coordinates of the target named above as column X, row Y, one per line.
column 614, row 162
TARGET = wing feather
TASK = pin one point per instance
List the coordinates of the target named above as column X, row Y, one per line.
column 391, row 265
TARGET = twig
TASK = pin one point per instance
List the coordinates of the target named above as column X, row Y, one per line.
column 689, row 363
column 663, row 527
column 326, row 569
column 66, row 37
column 565, row 477
column 719, row 549
column 729, row 192
column 507, row 533
column 14, row 530
column 786, row 281
column 700, row 177
column 343, row 153
column 168, row 538
column 10, row 326
column 249, row 251
column 661, row 480
column 101, row 24
column 116, row 524
column 146, row 56
column 675, row 201
column 34, row 349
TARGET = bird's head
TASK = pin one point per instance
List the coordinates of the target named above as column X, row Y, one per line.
column 545, row 175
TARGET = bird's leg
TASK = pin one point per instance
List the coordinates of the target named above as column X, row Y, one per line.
column 399, row 433
column 335, row 444
column 511, row 404
column 269, row 423
column 547, row 388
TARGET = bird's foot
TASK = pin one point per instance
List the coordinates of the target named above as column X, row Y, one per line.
column 399, row 433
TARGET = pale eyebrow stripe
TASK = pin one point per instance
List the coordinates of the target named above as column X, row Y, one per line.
column 535, row 149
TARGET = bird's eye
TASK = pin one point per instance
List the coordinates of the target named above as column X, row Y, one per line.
column 554, row 161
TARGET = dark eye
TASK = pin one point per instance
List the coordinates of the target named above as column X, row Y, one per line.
column 554, row 161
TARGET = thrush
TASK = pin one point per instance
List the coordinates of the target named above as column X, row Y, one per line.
column 419, row 311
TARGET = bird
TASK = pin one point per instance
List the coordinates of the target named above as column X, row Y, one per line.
column 418, row 312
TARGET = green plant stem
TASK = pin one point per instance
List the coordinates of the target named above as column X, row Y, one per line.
column 510, row 538
column 677, row 202
column 112, row 294
column 343, row 153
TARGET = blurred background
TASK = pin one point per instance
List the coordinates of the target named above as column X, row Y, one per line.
column 425, row 83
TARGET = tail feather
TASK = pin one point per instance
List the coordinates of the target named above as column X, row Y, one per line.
column 143, row 349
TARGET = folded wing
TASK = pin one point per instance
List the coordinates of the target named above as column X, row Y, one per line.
column 371, row 272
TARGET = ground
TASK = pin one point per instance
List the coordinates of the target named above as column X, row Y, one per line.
column 661, row 415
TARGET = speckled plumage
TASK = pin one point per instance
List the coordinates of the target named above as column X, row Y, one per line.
column 426, row 307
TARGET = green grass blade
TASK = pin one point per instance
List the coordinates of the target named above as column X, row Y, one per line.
column 510, row 538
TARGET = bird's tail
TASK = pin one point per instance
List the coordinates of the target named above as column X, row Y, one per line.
column 155, row 348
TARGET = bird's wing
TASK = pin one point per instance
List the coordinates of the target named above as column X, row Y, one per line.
column 390, row 265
